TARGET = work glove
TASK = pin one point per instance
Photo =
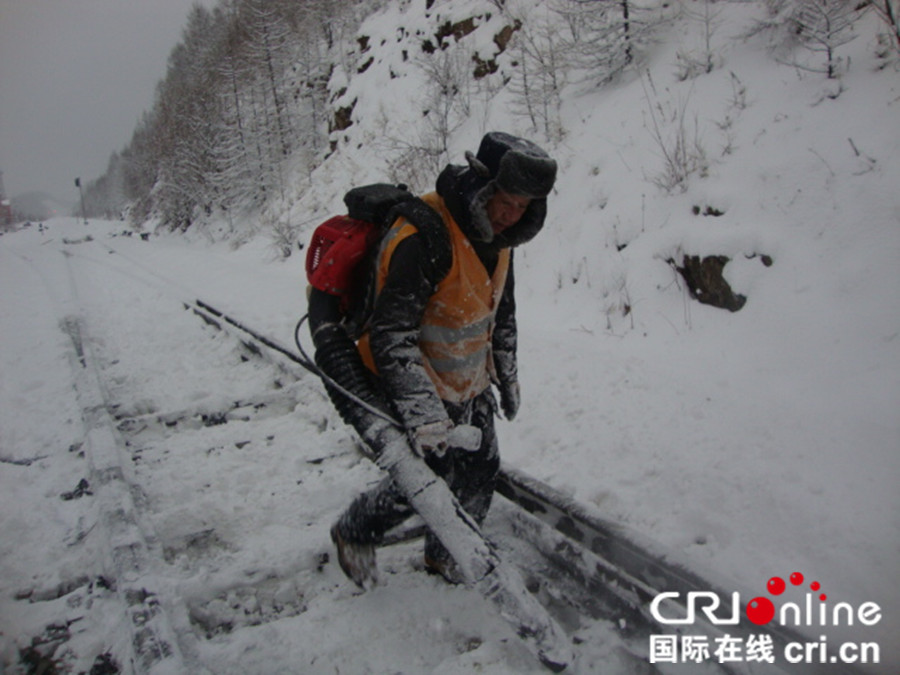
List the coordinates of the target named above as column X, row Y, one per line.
column 431, row 439
column 436, row 438
column 510, row 397
column 506, row 379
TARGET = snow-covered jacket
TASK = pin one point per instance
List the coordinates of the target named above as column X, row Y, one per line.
column 457, row 322
column 417, row 320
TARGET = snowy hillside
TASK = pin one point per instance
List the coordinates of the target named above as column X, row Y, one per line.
column 745, row 444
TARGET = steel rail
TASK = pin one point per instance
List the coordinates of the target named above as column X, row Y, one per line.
column 618, row 569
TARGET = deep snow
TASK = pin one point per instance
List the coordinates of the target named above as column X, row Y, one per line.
column 747, row 445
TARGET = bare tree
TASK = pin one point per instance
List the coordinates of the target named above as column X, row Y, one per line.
column 889, row 11
column 697, row 62
column 825, row 25
column 415, row 158
column 543, row 68
column 448, row 96
column 238, row 166
column 818, row 26
column 607, row 36
column 183, row 136
column 677, row 140
column 269, row 45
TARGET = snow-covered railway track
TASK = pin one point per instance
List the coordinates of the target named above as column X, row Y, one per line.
column 168, row 560
column 193, row 504
column 584, row 564
column 216, row 468
column 126, row 554
column 187, row 575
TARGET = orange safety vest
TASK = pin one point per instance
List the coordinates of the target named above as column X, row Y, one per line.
column 456, row 329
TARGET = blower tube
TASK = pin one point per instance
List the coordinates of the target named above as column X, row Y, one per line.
column 338, row 359
column 337, row 356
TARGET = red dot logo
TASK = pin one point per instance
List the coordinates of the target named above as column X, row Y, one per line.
column 760, row 611
column 815, row 586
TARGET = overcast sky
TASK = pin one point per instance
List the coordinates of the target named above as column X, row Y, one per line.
column 75, row 78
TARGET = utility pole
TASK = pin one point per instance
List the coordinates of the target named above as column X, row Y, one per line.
column 81, row 192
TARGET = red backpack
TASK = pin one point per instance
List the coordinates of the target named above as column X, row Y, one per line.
column 342, row 252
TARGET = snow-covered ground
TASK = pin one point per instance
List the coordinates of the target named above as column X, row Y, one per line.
column 747, row 445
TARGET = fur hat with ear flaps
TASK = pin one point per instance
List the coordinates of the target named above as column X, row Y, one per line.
column 504, row 163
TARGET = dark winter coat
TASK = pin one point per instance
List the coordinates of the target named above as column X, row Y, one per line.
column 398, row 311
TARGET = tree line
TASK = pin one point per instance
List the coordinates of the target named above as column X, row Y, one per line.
column 244, row 105
column 243, row 101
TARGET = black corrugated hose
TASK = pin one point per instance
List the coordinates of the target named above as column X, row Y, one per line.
column 348, row 382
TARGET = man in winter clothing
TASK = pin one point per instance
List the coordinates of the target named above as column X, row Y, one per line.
column 436, row 346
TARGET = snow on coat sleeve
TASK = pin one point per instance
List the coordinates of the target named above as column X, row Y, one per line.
column 505, row 336
column 394, row 337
